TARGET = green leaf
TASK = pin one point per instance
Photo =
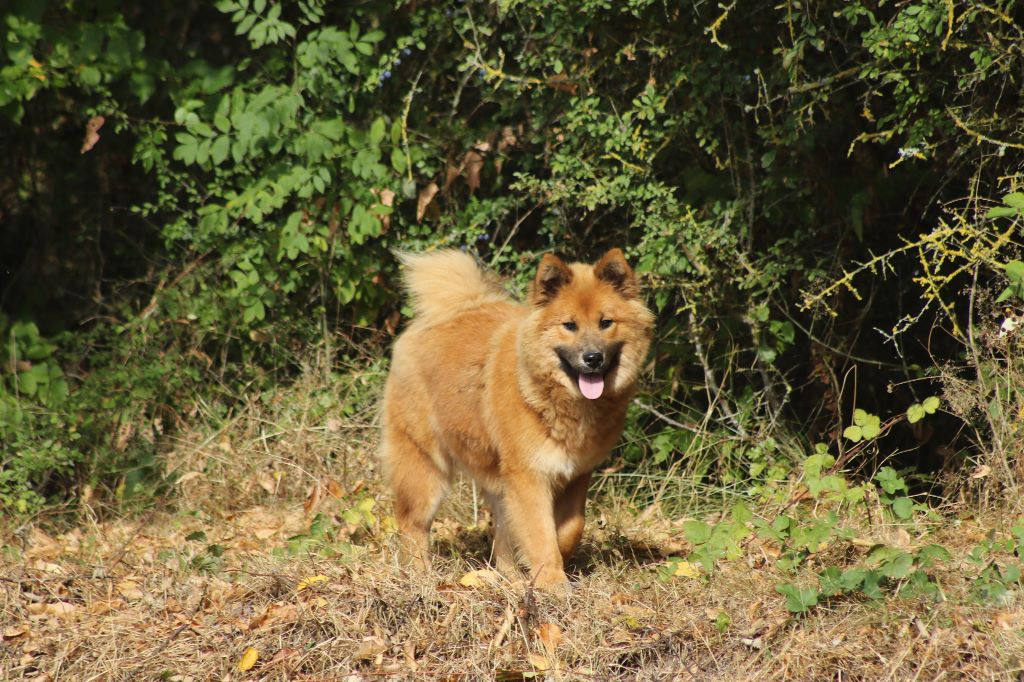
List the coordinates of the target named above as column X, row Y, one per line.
column 915, row 413
column 929, row 554
column 860, row 417
column 1001, row 212
column 903, row 508
column 798, row 599
column 1015, row 199
column 931, row 404
column 853, row 433
column 696, row 531
column 898, row 567
column 871, row 428
column 219, row 150
column 740, row 513
column 1014, row 270
column 377, row 131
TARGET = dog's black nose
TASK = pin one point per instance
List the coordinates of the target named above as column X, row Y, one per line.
column 593, row 360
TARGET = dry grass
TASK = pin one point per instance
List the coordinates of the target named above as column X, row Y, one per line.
column 148, row 597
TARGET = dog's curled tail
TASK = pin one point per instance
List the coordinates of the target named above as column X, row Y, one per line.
column 442, row 282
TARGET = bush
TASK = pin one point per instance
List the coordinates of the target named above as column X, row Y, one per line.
column 270, row 154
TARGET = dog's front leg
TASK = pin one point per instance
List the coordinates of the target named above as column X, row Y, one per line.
column 529, row 513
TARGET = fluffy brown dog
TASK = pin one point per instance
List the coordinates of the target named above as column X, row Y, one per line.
column 526, row 398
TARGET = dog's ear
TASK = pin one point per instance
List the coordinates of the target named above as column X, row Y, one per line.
column 552, row 275
column 613, row 269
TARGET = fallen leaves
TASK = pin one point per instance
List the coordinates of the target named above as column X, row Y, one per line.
column 550, row 635
column 273, row 615
column 309, row 581
column 129, row 589
column 371, row 648
column 58, row 609
column 479, row 578
column 248, row 659
column 686, row 569
column 15, row 631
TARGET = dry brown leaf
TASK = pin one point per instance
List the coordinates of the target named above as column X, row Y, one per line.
column 451, row 173
column 42, row 546
column 312, row 499
column 283, row 655
column 474, row 163
column 391, row 322
column 386, row 198
column 278, row 613
column 47, row 566
column 17, row 631
column 92, row 135
column 982, row 471
column 334, row 488
column 185, row 478
column 370, row 648
column 550, row 635
column 426, row 196
column 562, row 83
column 98, row 608
column 129, row 589
column 479, row 578
column 59, row 609
column 539, row 662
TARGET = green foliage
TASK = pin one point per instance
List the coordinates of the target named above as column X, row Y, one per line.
column 329, row 539
column 999, row 579
column 865, row 426
column 257, row 161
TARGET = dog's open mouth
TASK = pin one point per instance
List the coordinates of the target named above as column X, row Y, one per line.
column 590, row 382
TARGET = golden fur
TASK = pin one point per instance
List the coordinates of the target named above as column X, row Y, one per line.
column 497, row 388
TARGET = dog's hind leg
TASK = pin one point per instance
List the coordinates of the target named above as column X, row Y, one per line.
column 418, row 485
column 569, row 506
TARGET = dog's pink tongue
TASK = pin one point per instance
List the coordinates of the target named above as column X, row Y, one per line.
column 591, row 385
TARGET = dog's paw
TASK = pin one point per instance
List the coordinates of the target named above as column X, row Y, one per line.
column 556, row 585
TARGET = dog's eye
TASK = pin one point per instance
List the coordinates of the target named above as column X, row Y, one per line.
column 605, row 324
column 571, row 326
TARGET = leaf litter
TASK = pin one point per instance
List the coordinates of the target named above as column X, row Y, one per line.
column 275, row 586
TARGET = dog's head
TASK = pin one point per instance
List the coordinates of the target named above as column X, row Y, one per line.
column 589, row 328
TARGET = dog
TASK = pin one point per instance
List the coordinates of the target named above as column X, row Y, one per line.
column 527, row 398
